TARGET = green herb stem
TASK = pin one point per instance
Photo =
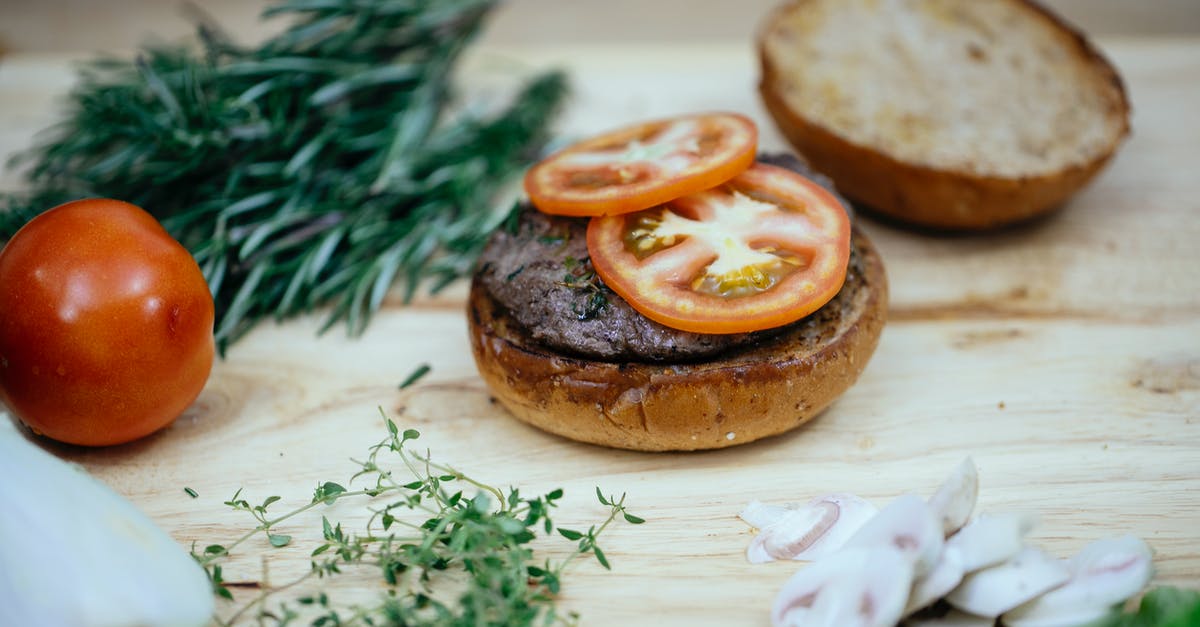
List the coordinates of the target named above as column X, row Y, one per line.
column 484, row 538
column 316, row 170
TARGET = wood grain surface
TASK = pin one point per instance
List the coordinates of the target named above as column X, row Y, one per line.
column 121, row 25
column 1063, row 356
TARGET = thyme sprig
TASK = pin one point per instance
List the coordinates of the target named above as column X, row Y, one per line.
column 318, row 168
column 424, row 532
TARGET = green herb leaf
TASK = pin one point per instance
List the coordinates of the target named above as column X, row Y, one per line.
column 445, row 557
column 1165, row 607
column 214, row 549
column 601, row 558
column 279, row 540
column 327, row 492
column 319, row 168
column 415, row 376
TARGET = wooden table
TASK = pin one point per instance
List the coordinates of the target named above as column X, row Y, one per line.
column 1063, row 356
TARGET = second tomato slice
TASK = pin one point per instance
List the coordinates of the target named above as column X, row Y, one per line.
column 762, row 250
column 643, row 165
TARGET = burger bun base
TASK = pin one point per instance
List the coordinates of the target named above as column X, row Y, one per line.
column 747, row 394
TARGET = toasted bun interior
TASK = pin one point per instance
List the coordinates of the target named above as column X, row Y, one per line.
column 746, row 394
column 942, row 113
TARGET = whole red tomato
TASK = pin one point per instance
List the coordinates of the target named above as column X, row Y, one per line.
column 106, row 324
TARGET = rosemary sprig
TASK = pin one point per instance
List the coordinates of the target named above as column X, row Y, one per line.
column 427, row 534
column 317, row 169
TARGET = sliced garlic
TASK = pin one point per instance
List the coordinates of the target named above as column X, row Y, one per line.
column 805, row 533
column 991, row 539
column 955, row 499
column 1104, row 574
column 78, row 554
column 906, row 524
column 855, row 587
column 993, row 591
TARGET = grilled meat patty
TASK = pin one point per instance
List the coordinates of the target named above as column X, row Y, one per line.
column 537, row 268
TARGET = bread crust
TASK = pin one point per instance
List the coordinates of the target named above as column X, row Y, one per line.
column 743, row 396
column 940, row 198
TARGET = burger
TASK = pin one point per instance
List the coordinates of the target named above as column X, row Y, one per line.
column 667, row 288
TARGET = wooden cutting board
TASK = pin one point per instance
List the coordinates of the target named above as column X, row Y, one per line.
column 1063, row 356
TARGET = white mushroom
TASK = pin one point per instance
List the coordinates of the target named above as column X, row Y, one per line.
column 855, row 587
column 762, row 515
column 945, row 576
column 953, row 618
column 993, row 591
column 805, row 533
column 909, row 525
column 1104, row 574
column 955, row 499
column 990, row 539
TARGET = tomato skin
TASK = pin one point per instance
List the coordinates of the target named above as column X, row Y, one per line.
column 626, row 169
column 800, row 217
column 106, row 324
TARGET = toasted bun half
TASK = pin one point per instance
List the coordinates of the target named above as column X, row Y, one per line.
column 942, row 113
column 746, row 394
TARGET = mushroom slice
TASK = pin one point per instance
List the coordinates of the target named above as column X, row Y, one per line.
column 761, row 515
column 993, row 591
column 953, row 618
column 855, row 587
column 990, row 539
column 955, row 499
column 808, row 532
column 945, row 576
column 907, row 524
column 1104, row 574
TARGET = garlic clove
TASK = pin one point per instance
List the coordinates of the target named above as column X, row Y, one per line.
column 855, row 587
column 79, row 554
column 991, row 539
column 1104, row 574
column 993, row 591
column 955, row 499
column 805, row 533
column 945, row 576
column 906, row 524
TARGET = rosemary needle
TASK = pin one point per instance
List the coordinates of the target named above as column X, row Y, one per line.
column 317, row 169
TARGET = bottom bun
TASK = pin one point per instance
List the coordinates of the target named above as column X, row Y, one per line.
column 745, row 394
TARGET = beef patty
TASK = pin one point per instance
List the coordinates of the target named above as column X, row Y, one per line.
column 537, row 267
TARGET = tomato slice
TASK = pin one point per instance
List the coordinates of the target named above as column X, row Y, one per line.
column 765, row 249
column 640, row 166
